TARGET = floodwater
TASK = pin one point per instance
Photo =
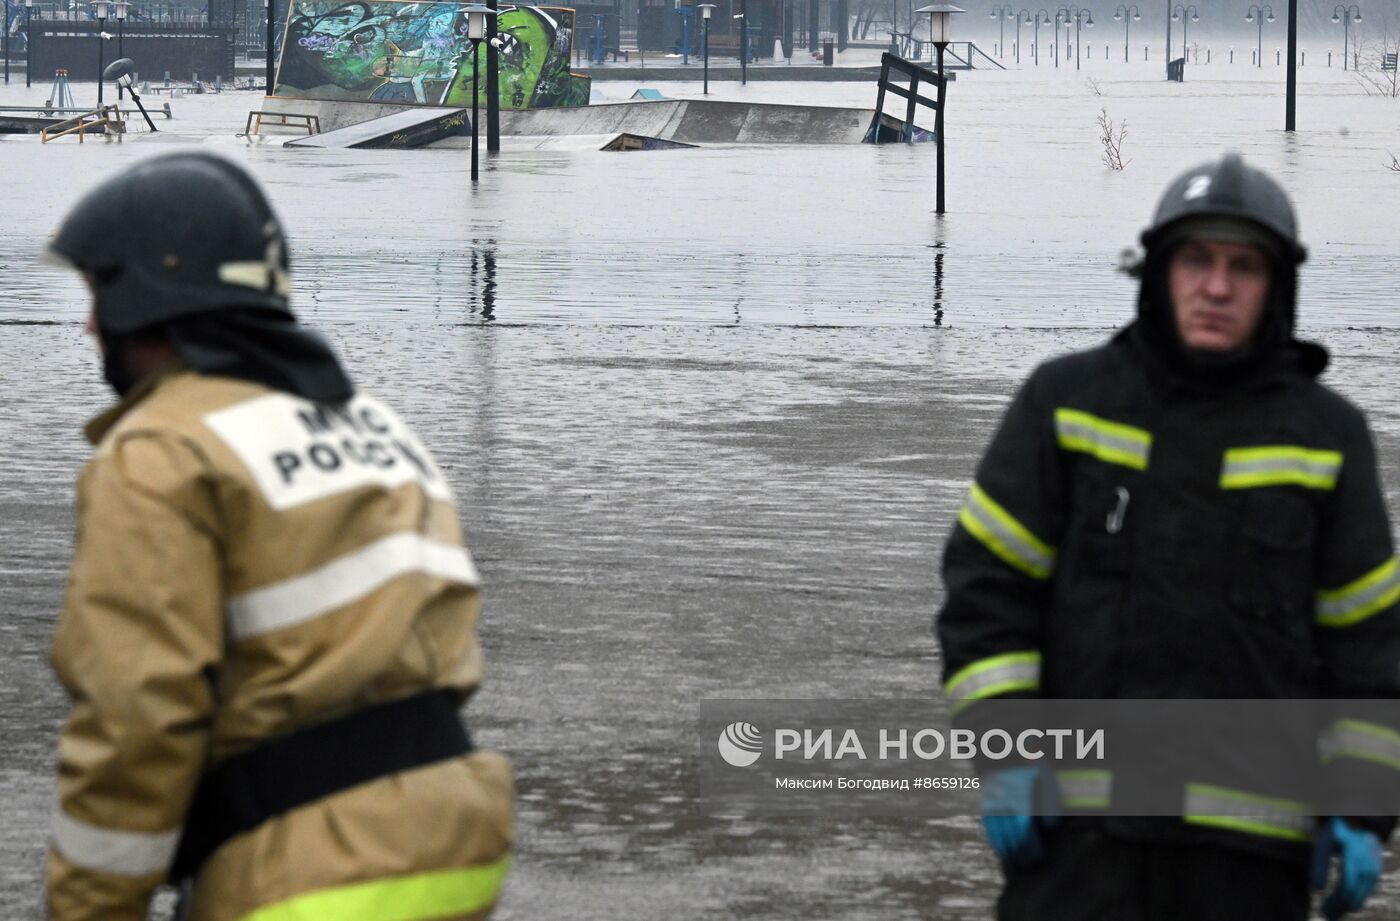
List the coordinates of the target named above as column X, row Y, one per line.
column 709, row 415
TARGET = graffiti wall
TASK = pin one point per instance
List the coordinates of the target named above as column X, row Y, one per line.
column 417, row 53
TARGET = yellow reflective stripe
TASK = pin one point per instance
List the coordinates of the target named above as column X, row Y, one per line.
column 1250, row 813
column 1085, row 789
column 1111, row 442
column 1002, row 534
column 1358, row 600
column 1003, row 674
column 1362, row 740
column 1280, row 465
column 417, row 897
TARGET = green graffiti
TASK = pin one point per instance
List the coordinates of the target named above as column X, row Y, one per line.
column 418, row 53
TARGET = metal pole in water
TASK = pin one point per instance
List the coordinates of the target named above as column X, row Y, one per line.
column 938, row 123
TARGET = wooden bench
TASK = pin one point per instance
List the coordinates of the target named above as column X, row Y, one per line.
column 106, row 120
column 312, row 123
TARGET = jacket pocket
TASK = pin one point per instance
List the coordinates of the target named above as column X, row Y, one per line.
column 1272, row 581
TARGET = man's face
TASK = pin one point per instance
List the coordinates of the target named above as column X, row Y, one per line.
column 1218, row 293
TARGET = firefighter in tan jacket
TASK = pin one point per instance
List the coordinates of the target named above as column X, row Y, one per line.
column 270, row 626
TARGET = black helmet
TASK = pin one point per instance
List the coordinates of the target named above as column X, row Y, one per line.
column 1222, row 200
column 1231, row 190
column 175, row 236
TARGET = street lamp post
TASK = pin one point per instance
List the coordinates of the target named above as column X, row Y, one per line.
column 493, row 78
column 743, row 17
column 1127, row 14
column 1002, row 12
column 1257, row 13
column 1188, row 13
column 1344, row 14
column 1055, row 50
column 940, row 34
column 476, row 31
column 1023, row 16
column 706, row 11
column 745, row 50
column 269, row 11
column 1081, row 18
column 121, row 9
column 7, row 43
column 101, row 9
column 1169, row 39
column 1042, row 18
column 28, row 42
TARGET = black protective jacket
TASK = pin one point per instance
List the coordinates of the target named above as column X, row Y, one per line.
column 1136, row 533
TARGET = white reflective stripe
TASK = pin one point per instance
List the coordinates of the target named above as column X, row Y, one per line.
column 1109, row 441
column 1085, row 789
column 1367, row 741
column 1280, row 465
column 107, row 850
column 1000, row 532
column 1358, row 600
column 1246, row 812
column 1015, row 671
column 344, row 580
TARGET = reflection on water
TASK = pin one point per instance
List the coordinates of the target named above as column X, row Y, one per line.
column 483, row 280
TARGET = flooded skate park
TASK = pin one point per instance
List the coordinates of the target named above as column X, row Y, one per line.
column 710, row 400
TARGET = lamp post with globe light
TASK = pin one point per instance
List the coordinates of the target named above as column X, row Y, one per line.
column 270, row 63
column 1128, row 14
column 706, row 11
column 1346, row 16
column 940, row 33
column 1256, row 14
column 100, row 8
column 28, row 46
column 1079, row 18
column 1003, row 13
column 1022, row 17
column 1186, row 14
column 1042, row 18
column 121, row 10
column 476, row 31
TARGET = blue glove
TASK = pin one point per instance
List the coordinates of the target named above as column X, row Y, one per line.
column 1008, row 815
column 1360, row 853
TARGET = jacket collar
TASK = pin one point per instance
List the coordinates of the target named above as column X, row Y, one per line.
column 100, row 425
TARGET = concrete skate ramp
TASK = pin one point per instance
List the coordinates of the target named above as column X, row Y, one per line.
column 690, row 121
column 697, row 121
column 398, row 131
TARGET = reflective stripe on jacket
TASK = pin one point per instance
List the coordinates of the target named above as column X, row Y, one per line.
column 247, row 564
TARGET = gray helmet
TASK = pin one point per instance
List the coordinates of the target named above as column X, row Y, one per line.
column 175, row 236
column 1232, row 190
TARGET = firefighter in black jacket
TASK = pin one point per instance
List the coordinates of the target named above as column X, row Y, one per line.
column 1184, row 512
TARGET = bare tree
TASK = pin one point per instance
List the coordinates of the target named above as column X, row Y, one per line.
column 1394, row 165
column 1375, row 80
column 1094, row 86
column 1112, row 140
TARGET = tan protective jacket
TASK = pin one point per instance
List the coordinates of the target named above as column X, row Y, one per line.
column 249, row 563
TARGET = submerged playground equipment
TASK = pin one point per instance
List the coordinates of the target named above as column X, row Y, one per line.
column 367, row 74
